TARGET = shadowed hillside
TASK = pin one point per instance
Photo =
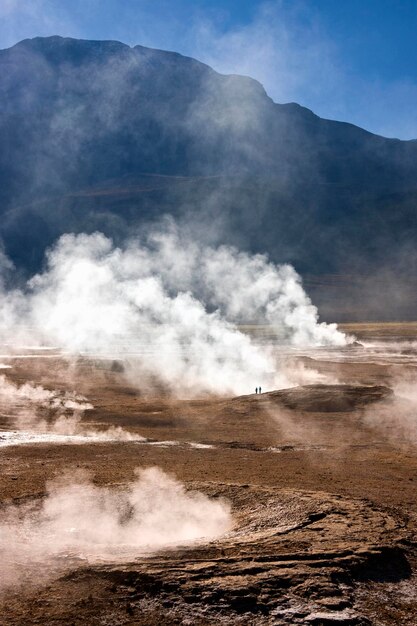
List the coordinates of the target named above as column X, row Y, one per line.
column 98, row 135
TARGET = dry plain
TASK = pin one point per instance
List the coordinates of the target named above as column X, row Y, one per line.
column 321, row 480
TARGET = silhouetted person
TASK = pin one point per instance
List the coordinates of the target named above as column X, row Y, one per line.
column 256, row 390
column 260, row 389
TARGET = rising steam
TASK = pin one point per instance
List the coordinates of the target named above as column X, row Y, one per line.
column 77, row 517
column 34, row 409
column 172, row 306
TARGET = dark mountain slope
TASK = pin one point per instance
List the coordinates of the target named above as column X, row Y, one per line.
column 98, row 135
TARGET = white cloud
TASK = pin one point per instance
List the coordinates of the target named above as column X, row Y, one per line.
column 169, row 305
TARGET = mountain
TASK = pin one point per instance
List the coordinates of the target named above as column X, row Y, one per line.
column 99, row 135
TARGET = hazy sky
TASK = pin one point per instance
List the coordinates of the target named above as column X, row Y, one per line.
column 352, row 60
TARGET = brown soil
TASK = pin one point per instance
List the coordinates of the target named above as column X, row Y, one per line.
column 323, row 496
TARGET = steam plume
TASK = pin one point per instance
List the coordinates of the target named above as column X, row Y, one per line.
column 77, row 517
column 38, row 410
column 173, row 306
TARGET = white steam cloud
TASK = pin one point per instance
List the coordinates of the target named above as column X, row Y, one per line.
column 38, row 395
column 173, row 306
column 34, row 409
column 97, row 523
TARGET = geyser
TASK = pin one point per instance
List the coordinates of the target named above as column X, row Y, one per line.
column 35, row 410
column 172, row 306
column 97, row 523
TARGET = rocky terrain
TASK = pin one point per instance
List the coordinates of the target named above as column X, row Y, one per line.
column 320, row 478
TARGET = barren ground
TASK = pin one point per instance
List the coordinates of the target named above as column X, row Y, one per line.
column 322, row 480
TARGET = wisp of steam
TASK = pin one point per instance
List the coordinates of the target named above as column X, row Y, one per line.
column 172, row 306
column 97, row 523
column 34, row 410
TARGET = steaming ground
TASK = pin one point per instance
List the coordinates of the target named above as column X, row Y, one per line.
column 39, row 415
column 297, row 506
column 93, row 523
column 172, row 305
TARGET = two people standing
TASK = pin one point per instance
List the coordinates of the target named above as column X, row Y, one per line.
column 258, row 390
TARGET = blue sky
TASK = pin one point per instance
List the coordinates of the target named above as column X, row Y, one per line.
column 352, row 60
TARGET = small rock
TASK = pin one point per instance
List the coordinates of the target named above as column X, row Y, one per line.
column 333, row 603
column 344, row 618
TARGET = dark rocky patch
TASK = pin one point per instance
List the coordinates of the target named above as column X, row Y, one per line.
column 329, row 398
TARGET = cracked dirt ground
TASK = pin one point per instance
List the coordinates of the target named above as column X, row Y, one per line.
column 322, row 482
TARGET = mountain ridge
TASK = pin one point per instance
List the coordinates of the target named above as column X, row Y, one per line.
column 172, row 53
column 326, row 196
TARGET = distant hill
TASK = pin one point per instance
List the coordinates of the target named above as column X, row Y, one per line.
column 98, row 135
